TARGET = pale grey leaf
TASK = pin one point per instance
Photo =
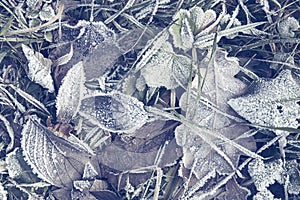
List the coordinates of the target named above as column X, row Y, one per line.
column 39, row 68
column 272, row 102
column 115, row 112
column 53, row 159
column 70, row 93
column 47, row 12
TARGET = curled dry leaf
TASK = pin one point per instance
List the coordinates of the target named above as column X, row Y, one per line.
column 70, row 93
column 39, row 68
column 53, row 159
column 115, row 112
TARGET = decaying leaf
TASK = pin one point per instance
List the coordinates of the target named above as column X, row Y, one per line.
column 39, row 68
column 199, row 153
column 272, row 102
column 115, row 112
column 167, row 69
column 70, row 93
column 53, row 159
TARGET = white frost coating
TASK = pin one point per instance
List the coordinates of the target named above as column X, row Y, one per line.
column 82, row 185
column 53, row 159
column 115, row 112
column 218, row 86
column 47, row 12
column 273, row 102
column 264, row 195
column 39, row 68
column 13, row 165
column 190, row 23
column 265, row 174
column 70, row 93
column 89, row 171
column 166, row 69
column 287, row 27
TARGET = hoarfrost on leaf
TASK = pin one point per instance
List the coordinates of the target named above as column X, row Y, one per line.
column 218, row 85
column 115, row 112
column 70, row 93
column 273, row 102
column 264, row 195
column 39, row 68
column 287, row 27
column 292, row 171
column 167, row 69
column 265, row 174
column 52, row 158
column 188, row 24
column 47, row 12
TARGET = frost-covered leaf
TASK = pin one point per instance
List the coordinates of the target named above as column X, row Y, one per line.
column 89, row 171
column 265, row 174
column 218, row 86
column 3, row 192
column 263, row 195
column 70, row 93
column 188, row 24
column 272, row 102
column 292, row 169
column 39, row 68
column 17, row 168
column 288, row 26
column 53, row 159
column 167, row 69
column 93, row 43
column 115, row 112
column 47, row 12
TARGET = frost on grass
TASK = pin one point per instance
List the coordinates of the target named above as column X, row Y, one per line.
column 39, row 68
column 218, row 86
column 70, row 93
column 189, row 23
column 53, row 159
column 273, row 102
column 167, row 69
column 115, row 112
